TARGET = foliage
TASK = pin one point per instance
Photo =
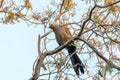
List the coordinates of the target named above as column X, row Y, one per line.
column 99, row 38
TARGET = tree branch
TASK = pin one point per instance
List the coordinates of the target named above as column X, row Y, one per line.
column 98, row 53
column 108, row 5
column 84, row 23
column 1, row 3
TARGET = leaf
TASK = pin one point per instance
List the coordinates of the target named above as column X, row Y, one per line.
column 96, row 18
column 108, row 1
column 113, row 8
column 10, row 17
column 28, row 4
column 68, row 4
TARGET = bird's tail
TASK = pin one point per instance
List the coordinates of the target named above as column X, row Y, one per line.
column 77, row 63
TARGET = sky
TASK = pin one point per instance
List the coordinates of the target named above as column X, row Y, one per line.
column 18, row 50
column 18, row 47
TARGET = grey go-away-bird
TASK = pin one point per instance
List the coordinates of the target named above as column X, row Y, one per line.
column 62, row 35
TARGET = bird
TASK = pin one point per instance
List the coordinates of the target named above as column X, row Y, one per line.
column 62, row 35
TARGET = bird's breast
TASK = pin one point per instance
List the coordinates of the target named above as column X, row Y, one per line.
column 62, row 37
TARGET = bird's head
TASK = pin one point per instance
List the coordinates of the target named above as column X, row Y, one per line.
column 52, row 24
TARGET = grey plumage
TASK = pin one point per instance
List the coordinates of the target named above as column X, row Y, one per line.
column 62, row 35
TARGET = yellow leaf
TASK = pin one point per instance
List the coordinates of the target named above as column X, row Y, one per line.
column 96, row 17
column 10, row 17
column 11, row 13
column 28, row 4
column 108, row 1
column 68, row 4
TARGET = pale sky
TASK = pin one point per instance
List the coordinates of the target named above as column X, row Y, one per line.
column 18, row 48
